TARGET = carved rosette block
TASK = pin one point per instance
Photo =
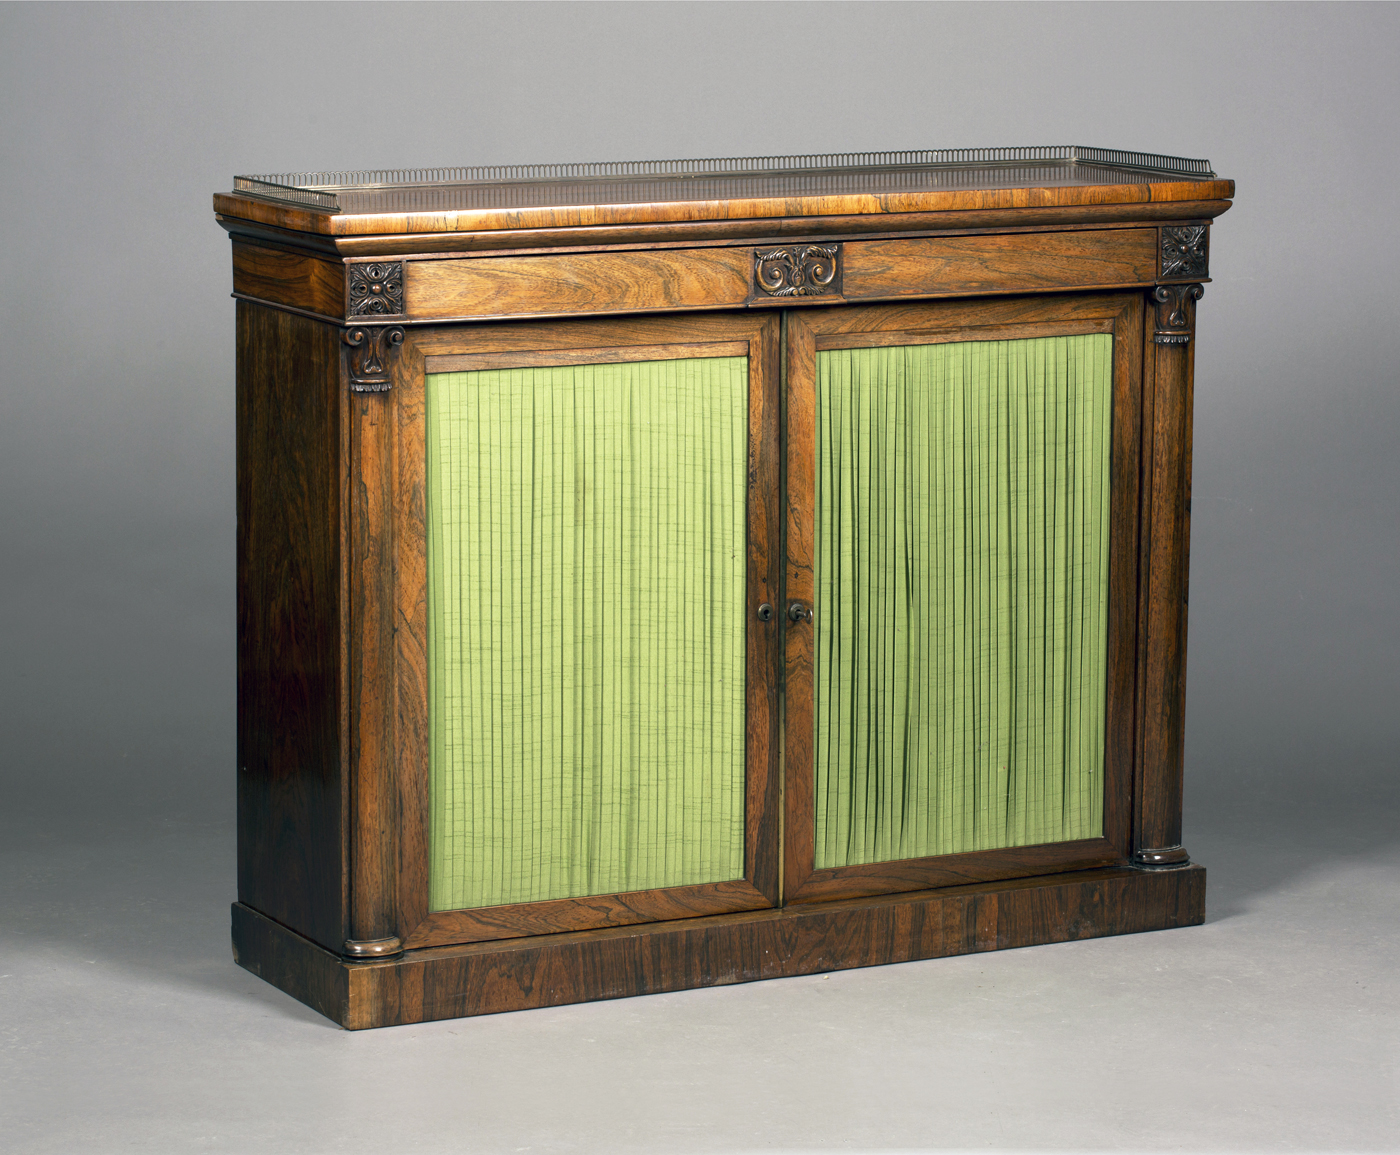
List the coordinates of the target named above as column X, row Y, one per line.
column 374, row 289
column 797, row 271
column 370, row 347
column 1184, row 251
column 372, row 948
column 1176, row 313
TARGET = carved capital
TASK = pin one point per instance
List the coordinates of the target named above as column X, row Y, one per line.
column 372, row 948
column 1176, row 312
column 374, row 289
column 370, row 349
column 1184, row 251
column 797, row 271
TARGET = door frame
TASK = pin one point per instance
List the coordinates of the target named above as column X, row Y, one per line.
column 398, row 703
column 811, row 330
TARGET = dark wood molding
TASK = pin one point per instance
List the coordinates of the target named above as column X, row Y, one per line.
column 374, row 289
column 824, row 192
column 552, row 916
column 324, row 318
column 1184, row 252
column 289, row 278
column 372, row 948
column 766, row 231
column 574, row 284
column 656, row 281
column 375, row 822
column 1176, row 312
column 1168, row 858
column 1164, row 557
column 1012, row 263
column 371, row 347
column 409, row 611
column 612, row 355
column 797, row 271
column 551, row 970
column 913, row 874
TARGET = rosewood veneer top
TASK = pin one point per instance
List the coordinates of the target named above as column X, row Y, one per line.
column 640, row 193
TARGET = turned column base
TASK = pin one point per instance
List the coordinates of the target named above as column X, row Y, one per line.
column 371, row 948
column 1163, row 859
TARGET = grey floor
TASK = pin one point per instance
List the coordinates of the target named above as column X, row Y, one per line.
column 124, row 1024
column 1274, row 1027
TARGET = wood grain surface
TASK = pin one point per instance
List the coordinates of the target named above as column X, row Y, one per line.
column 713, row 278
column 1014, row 262
column 763, row 816
column 291, row 778
column 608, row 355
column 841, row 882
column 487, row 978
column 574, row 283
column 817, row 204
column 409, row 597
column 374, row 814
column 764, row 231
column 287, row 277
column 518, row 920
column 1165, row 545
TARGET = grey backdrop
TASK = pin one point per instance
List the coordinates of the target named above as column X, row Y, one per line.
column 116, row 405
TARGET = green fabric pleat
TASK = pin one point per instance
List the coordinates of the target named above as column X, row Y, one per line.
column 962, row 595
column 586, row 564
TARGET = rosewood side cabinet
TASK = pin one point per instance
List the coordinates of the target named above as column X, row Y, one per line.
column 661, row 575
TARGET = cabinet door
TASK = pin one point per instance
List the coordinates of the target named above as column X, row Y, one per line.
column 962, row 498
column 590, row 516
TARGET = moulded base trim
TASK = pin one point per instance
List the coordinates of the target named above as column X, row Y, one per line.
column 550, row 970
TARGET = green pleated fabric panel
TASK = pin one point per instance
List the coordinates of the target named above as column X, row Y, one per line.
column 586, row 565
column 962, row 596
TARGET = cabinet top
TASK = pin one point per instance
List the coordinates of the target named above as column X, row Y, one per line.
column 454, row 200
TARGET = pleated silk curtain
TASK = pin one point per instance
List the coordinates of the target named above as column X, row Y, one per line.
column 586, row 565
column 962, row 594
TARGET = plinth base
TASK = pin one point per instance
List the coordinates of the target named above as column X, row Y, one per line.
column 488, row 977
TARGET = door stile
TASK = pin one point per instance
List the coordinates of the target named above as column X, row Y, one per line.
column 762, row 653
column 1126, row 465
column 411, row 635
column 799, row 587
column 373, row 818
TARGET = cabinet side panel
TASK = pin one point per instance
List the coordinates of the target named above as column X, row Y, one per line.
column 291, row 846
